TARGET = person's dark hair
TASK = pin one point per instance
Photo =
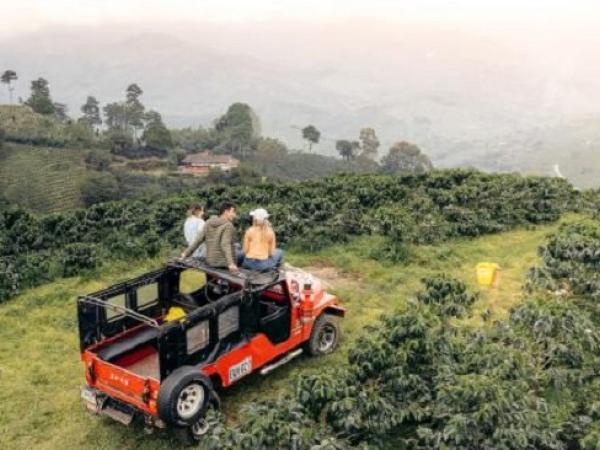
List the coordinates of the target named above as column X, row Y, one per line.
column 195, row 207
column 226, row 206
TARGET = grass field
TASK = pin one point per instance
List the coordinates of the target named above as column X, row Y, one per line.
column 41, row 179
column 40, row 372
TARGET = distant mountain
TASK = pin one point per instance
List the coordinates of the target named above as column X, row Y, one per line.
column 464, row 98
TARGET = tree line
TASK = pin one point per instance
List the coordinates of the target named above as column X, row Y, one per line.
column 128, row 125
column 133, row 131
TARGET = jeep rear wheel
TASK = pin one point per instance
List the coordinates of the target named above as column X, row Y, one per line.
column 325, row 335
column 190, row 400
column 184, row 397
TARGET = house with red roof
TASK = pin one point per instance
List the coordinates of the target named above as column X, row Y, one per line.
column 201, row 163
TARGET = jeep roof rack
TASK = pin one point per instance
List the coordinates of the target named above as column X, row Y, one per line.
column 248, row 279
column 90, row 299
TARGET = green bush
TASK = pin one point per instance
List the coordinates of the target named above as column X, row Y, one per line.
column 447, row 297
column 414, row 209
column 415, row 380
column 9, row 278
column 77, row 258
column 99, row 187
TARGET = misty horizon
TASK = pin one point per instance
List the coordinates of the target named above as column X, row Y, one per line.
column 460, row 92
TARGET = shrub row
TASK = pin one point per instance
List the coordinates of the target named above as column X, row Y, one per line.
column 420, row 209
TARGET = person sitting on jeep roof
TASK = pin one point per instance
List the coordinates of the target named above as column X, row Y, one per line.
column 219, row 235
column 260, row 250
column 193, row 226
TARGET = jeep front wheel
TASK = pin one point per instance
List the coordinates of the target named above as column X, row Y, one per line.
column 325, row 335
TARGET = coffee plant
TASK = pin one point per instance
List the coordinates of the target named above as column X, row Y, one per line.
column 413, row 209
column 416, row 380
column 571, row 261
column 447, row 297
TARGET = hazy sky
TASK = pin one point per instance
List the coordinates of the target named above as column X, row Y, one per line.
column 30, row 15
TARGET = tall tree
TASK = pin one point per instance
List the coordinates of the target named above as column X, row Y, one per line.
column 404, row 157
column 156, row 135
column 91, row 112
column 115, row 116
column 7, row 78
column 311, row 135
column 60, row 112
column 347, row 149
column 238, row 128
column 369, row 143
column 134, row 108
column 40, row 100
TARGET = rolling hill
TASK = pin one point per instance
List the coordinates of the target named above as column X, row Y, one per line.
column 42, row 179
column 466, row 98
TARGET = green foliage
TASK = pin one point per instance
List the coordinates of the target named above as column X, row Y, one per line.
column 404, row 157
column 347, row 149
column 9, row 278
column 279, row 425
column 156, row 135
column 23, row 125
column 302, row 166
column 8, row 76
column 98, row 160
column 195, row 140
column 447, row 297
column 99, row 187
column 311, row 135
column 239, row 176
column 134, row 108
column 571, row 261
column 238, row 130
column 41, row 179
column 564, row 337
column 310, row 215
column 40, row 100
column 77, row 258
column 116, row 117
column 369, row 143
column 60, row 112
column 80, row 134
column 269, row 149
column 91, row 112
column 416, row 380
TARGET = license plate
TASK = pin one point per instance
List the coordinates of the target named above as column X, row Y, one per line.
column 89, row 398
column 240, row 369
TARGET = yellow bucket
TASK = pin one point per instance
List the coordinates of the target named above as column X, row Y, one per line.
column 487, row 273
column 174, row 313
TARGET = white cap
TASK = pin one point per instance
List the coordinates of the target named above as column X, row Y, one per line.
column 259, row 214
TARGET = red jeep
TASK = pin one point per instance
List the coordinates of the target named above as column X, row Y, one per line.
column 140, row 362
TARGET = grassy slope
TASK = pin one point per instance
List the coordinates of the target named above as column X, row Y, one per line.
column 41, row 179
column 40, row 373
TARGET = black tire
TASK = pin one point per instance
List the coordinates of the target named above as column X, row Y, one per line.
column 184, row 397
column 325, row 335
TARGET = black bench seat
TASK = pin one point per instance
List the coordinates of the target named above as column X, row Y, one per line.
column 127, row 344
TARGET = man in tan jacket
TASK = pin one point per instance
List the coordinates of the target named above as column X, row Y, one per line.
column 219, row 234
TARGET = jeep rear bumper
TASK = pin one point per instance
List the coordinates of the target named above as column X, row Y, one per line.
column 98, row 402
